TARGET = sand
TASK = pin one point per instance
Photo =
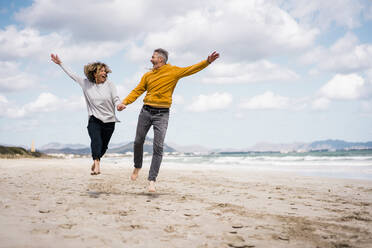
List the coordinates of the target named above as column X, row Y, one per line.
column 56, row 203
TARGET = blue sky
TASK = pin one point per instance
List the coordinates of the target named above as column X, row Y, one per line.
column 289, row 71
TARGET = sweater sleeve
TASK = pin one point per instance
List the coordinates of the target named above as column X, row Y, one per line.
column 74, row 77
column 114, row 94
column 134, row 94
column 189, row 70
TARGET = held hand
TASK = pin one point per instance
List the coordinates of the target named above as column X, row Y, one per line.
column 213, row 57
column 55, row 59
column 120, row 107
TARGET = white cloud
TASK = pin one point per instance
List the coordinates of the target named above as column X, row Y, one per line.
column 10, row 111
column 321, row 103
column 344, row 87
column 263, row 70
column 25, row 43
column 74, row 103
column 131, row 82
column 30, row 43
column 44, row 103
column 13, row 79
column 267, row 100
column 345, row 13
column 3, row 100
column 188, row 29
column 122, row 90
column 102, row 20
column 267, row 31
column 178, row 99
column 345, row 56
column 215, row 101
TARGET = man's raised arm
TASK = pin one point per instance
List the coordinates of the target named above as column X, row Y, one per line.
column 187, row 71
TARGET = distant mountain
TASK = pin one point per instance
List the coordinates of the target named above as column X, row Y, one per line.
column 147, row 147
column 190, row 148
column 339, row 145
column 116, row 145
column 84, row 150
column 331, row 145
column 56, row 147
column 59, row 146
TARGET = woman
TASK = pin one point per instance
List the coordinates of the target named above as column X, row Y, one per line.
column 101, row 99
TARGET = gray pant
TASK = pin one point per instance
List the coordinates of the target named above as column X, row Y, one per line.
column 159, row 121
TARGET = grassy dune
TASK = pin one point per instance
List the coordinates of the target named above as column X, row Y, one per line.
column 18, row 152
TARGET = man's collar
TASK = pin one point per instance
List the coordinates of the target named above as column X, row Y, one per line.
column 156, row 69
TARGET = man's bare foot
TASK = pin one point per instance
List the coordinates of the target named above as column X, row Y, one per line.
column 152, row 186
column 134, row 175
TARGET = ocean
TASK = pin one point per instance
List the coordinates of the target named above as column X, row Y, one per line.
column 353, row 164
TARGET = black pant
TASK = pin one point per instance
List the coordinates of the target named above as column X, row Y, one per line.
column 100, row 135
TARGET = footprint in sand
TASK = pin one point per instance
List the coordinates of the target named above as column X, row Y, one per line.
column 71, row 236
column 169, row 229
column 44, row 211
column 66, row 226
column 40, row 231
column 236, row 226
column 236, row 241
column 132, row 227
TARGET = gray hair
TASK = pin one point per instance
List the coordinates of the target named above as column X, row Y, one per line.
column 162, row 53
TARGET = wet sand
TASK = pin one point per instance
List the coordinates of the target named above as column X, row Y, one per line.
column 57, row 203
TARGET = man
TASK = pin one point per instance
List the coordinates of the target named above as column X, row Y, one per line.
column 159, row 84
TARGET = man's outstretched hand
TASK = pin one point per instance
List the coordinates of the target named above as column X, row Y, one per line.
column 55, row 59
column 120, row 107
column 213, row 57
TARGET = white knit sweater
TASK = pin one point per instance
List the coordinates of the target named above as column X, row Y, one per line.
column 101, row 99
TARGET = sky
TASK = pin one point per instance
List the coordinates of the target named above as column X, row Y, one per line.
column 289, row 70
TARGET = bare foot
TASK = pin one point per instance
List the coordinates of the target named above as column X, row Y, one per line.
column 134, row 175
column 152, row 186
column 96, row 169
column 92, row 169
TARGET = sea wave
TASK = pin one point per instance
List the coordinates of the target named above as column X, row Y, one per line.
column 357, row 167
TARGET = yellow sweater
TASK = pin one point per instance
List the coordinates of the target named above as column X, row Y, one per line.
column 160, row 83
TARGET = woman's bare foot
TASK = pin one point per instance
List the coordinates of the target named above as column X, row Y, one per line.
column 96, row 168
column 134, row 175
column 152, row 186
column 92, row 169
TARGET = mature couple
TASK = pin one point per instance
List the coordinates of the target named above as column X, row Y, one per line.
column 101, row 98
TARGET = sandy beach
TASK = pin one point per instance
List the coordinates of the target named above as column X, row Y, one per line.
column 56, row 203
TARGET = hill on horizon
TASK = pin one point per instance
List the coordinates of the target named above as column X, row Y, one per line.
column 328, row 144
column 17, row 152
column 84, row 150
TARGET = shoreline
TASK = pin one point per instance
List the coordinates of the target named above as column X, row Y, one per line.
column 56, row 202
